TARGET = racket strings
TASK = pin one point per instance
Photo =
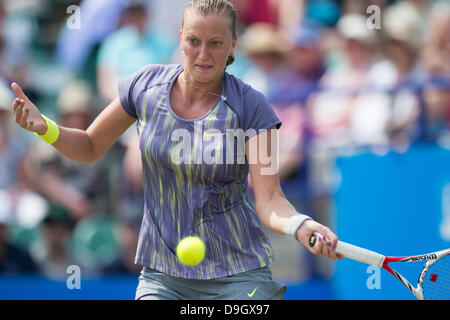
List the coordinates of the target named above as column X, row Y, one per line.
column 436, row 284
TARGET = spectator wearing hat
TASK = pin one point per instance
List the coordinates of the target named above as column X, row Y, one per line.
column 434, row 59
column 356, row 47
column 347, row 111
column 305, row 62
column 266, row 49
column 402, row 38
column 435, row 54
column 398, row 77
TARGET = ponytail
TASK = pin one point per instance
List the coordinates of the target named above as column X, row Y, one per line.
column 230, row 60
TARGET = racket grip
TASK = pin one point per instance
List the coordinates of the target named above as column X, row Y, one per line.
column 354, row 252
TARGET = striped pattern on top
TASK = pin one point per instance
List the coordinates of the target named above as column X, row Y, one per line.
column 194, row 196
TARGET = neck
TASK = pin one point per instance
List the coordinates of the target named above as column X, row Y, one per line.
column 194, row 90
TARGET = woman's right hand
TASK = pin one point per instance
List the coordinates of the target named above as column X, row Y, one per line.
column 26, row 114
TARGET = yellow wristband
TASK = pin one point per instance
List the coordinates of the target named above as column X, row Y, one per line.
column 52, row 133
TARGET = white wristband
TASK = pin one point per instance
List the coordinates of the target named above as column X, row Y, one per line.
column 294, row 223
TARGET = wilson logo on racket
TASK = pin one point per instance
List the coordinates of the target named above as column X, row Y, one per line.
column 433, row 277
column 423, row 257
column 435, row 263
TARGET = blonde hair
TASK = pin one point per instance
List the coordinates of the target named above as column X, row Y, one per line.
column 215, row 7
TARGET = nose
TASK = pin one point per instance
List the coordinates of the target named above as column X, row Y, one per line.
column 204, row 52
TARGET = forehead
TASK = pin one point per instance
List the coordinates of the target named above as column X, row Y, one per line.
column 206, row 26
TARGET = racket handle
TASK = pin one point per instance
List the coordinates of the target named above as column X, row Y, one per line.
column 353, row 252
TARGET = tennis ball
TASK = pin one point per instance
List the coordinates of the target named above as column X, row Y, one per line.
column 191, row 250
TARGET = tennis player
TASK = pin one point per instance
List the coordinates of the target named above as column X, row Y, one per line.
column 194, row 197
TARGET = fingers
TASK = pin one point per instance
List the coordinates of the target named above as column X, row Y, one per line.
column 21, row 114
column 18, row 109
column 332, row 238
column 325, row 242
column 18, row 91
column 331, row 242
column 15, row 105
column 326, row 247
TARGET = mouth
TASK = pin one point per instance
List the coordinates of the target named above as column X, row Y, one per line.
column 203, row 67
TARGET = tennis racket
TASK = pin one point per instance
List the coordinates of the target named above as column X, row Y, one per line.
column 434, row 279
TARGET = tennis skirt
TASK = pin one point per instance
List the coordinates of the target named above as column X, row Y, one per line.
column 255, row 284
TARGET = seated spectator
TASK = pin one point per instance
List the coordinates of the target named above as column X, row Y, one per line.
column 290, row 13
column 435, row 63
column 357, row 56
column 401, row 43
column 266, row 49
column 306, row 64
column 98, row 20
column 435, row 54
column 400, row 74
column 13, row 259
column 52, row 253
column 136, row 44
column 374, row 102
column 346, row 110
column 26, row 206
column 127, row 235
column 436, row 93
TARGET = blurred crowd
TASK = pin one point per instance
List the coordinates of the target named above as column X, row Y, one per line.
column 341, row 77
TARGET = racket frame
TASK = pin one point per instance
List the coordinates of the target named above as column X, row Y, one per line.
column 373, row 258
column 430, row 259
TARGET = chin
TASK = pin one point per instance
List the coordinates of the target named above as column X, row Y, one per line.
column 203, row 77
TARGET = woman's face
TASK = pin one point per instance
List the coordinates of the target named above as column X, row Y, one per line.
column 207, row 42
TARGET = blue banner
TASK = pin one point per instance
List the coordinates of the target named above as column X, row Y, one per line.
column 396, row 205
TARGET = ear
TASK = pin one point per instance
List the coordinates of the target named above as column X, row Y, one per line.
column 233, row 44
column 181, row 40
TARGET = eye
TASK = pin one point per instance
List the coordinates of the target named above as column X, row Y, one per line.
column 193, row 41
column 216, row 43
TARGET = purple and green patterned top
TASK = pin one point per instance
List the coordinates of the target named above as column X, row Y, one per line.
column 195, row 175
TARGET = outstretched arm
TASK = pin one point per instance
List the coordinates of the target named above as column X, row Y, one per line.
column 274, row 210
column 78, row 145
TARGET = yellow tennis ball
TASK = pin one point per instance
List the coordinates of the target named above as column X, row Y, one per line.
column 191, row 250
